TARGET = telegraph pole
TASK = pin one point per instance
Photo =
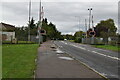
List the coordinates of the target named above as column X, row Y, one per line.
column 79, row 26
column 39, row 27
column 40, row 22
column 92, row 23
column 29, row 20
column 86, row 26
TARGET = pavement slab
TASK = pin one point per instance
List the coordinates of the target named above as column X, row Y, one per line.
column 51, row 64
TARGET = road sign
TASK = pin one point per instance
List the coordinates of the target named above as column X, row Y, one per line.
column 92, row 33
column 43, row 32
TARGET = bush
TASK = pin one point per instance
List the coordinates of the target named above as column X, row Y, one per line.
column 78, row 40
column 114, row 43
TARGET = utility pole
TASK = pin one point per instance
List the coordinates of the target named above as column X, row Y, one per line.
column 39, row 27
column 40, row 22
column 29, row 20
column 86, row 27
column 90, row 9
column 92, row 23
column 79, row 26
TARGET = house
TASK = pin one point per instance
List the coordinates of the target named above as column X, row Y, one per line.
column 7, row 31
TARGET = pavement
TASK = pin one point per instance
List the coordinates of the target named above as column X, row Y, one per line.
column 105, row 62
column 52, row 62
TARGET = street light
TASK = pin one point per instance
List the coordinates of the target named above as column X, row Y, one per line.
column 29, row 20
column 90, row 9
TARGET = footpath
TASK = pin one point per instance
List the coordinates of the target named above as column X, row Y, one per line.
column 54, row 63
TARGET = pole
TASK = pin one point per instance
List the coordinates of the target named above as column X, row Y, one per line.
column 39, row 27
column 29, row 20
column 90, row 9
column 40, row 11
column 92, row 23
column 86, row 27
column 89, row 19
column 79, row 26
column 40, row 23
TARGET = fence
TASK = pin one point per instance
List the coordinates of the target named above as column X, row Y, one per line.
column 96, row 40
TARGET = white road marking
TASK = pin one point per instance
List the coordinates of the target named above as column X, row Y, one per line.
column 59, row 51
column 88, row 50
column 116, row 58
column 63, row 42
column 104, row 74
column 106, row 55
column 82, row 48
column 66, row 58
column 78, row 47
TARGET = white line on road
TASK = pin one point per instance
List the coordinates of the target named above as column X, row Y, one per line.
column 106, row 55
column 78, row 47
column 116, row 58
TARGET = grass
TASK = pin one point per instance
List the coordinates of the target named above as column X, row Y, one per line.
column 71, row 40
column 19, row 42
column 108, row 47
column 18, row 60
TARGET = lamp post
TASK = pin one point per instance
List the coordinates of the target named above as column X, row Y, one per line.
column 92, row 23
column 39, row 27
column 90, row 9
column 41, row 13
column 29, row 20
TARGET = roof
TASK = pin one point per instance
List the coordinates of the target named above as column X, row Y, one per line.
column 7, row 27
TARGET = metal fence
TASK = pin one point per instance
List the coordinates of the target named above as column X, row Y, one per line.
column 96, row 40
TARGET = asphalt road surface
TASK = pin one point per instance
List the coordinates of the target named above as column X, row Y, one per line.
column 103, row 61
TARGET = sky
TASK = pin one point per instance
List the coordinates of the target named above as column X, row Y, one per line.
column 68, row 15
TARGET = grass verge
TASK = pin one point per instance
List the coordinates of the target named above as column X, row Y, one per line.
column 18, row 60
column 108, row 47
column 19, row 42
column 71, row 40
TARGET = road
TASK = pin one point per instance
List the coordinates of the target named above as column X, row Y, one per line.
column 53, row 63
column 103, row 61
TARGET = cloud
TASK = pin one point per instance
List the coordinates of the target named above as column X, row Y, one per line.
column 62, row 14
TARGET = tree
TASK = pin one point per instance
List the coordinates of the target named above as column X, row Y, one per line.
column 33, row 27
column 106, row 28
column 51, row 31
column 78, row 36
column 68, row 37
column 21, row 33
column 32, row 24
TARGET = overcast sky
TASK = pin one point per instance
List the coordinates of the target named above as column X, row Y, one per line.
column 61, row 13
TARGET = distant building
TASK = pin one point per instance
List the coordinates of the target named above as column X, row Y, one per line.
column 7, row 31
